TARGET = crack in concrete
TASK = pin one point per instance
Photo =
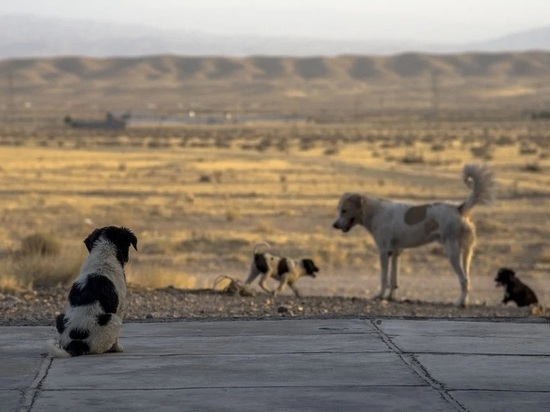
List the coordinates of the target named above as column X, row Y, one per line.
column 34, row 389
column 412, row 362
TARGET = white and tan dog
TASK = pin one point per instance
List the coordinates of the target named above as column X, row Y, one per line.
column 284, row 270
column 397, row 226
column 93, row 315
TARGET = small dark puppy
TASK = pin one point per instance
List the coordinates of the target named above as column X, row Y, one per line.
column 515, row 290
column 284, row 270
column 93, row 315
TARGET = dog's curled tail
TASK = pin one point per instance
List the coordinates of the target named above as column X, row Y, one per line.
column 481, row 180
column 267, row 245
column 56, row 351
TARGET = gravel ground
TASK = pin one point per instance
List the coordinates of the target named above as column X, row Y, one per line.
column 39, row 307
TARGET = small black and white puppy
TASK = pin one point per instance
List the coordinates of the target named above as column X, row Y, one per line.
column 93, row 315
column 284, row 270
column 516, row 290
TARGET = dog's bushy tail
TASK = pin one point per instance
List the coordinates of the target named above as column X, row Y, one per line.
column 56, row 351
column 481, row 180
column 258, row 245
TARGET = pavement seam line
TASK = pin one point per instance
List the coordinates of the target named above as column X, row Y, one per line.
column 412, row 362
column 30, row 394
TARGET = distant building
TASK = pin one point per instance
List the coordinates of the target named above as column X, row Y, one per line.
column 111, row 122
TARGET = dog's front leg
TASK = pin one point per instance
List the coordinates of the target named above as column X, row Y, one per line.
column 282, row 284
column 384, row 263
column 394, row 271
column 295, row 289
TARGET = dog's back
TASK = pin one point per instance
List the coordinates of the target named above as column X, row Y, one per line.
column 520, row 293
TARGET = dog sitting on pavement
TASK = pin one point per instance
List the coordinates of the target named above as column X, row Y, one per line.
column 284, row 270
column 515, row 290
column 93, row 315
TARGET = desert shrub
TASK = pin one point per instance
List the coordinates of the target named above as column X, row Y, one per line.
column 205, row 179
column 283, row 145
column 437, row 147
column 155, row 277
column 231, row 214
column 413, row 157
column 39, row 271
column 484, row 151
column 41, row 244
column 542, row 114
column 25, row 271
column 505, row 141
column 533, row 167
column 527, row 148
column 263, row 144
column 330, row 151
column 306, row 143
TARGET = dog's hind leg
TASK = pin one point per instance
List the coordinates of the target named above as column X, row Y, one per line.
column 467, row 245
column 117, row 347
column 252, row 275
column 384, row 266
column 282, row 284
column 263, row 280
column 453, row 252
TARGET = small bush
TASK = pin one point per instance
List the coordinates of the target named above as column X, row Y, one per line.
column 533, row 167
column 41, row 244
column 413, row 157
column 231, row 214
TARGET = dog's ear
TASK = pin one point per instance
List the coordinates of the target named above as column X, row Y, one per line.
column 131, row 237
column 122, row 238
column 356, row 200
column 92, row 237
column 506, row 273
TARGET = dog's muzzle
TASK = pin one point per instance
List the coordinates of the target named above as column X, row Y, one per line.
column 345, row 229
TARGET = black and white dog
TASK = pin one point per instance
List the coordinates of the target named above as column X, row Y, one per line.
column 515, row 289
column 93, row 316
column 284, row 270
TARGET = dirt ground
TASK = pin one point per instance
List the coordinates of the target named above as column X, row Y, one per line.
column 433, row 300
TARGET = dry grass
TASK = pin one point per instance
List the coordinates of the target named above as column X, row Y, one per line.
column 199, row 209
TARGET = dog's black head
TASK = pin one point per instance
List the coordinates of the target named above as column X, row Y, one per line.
column 310, row 267
column 504, row 276
column 121, row 237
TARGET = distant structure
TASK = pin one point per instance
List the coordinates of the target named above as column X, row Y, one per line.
column 111, row 122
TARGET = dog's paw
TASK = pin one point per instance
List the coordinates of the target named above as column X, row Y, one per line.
column 460, row 303
column 378, row 296
column 116, row 348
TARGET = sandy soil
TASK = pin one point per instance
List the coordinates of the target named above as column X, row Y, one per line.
column 39, row 307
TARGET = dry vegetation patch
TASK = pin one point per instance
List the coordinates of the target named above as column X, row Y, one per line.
column 198, row 208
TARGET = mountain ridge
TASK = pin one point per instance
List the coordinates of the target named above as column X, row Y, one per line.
column 31, row 36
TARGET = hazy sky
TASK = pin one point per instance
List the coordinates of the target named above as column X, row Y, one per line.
column 440, row 21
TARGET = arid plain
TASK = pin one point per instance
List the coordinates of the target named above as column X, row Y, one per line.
column 199, row 197
column 199, row 207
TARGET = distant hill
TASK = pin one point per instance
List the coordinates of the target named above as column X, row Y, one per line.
column 305, row 85
column 30, row 36
column 537, row 39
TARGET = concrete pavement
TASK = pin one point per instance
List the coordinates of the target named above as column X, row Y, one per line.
column 288, row 365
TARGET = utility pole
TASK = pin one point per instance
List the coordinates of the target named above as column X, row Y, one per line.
column 9, row 98
column 435, row 94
